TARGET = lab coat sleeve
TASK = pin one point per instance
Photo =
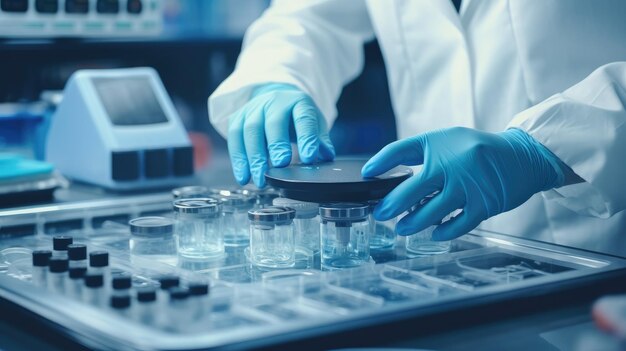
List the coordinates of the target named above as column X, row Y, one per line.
column 316, row 45
column 585, row 126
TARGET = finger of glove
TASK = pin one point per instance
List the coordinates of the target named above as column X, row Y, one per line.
column 255, row 145
column 408, row 151
column 237, row 149
column 457, row 226
column 408, row 194
column 326, row 148
column 305, row 121
column 277, row 122
column 432, row 213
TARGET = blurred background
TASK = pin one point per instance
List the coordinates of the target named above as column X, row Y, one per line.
column 193, row 44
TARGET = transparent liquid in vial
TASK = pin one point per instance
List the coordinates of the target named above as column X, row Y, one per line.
column 345, row 244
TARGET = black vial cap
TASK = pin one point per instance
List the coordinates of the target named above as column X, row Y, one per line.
column 98, row 259
column 123, row 282
column 77, row 272
column 178, row 293
column 61, row 242
column 58, row 265
column 120, row 302
column 77, row 252
column 169, row 281
column 41, row 258
column 198, row 289
column 94, row 280
column 146, row 295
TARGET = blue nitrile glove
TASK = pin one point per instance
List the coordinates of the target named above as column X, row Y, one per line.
column 482, row 173
column 275, row 115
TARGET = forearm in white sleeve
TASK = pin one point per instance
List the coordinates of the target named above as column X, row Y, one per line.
column 316, row 45
column 585, row 126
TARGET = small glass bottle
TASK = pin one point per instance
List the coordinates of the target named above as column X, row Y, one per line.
column 146, row 310
column 77, row 253
column 383, row 233
column 167, row 282
column 345, row 232
column 121, row 304
column 153, row 238
column 189, row 192
column 179, row 310
column 235, row 209
column 57, row 274
column 60, row 244
column 94, row 292
column 99, row 264
column 41, row 261
column 121, row 285
column 306, row 224
column 422, row 243
column 74, row 287
column 272, row 238
column 199, row 298
column 199, row 228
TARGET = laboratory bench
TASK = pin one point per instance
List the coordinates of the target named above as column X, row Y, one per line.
column 491, row 291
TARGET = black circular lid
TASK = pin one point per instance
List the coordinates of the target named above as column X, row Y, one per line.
column 58, row 265
column 41, row 258
column 93, row 280
column 77, row 272
column 77, row 252
column 146, row 295
column 169, row 281
column 60, row 242
column 198, row 289
column 337, row 181
column 98, row 259
column 121, row 282
column 179, row 293
column 120, row 301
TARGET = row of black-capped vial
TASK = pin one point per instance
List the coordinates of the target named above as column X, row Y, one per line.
column 67, row 257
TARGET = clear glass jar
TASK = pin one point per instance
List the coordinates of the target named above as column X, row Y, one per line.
column 153, row 238
column 189, row 192
column 235, row 209
column 383, row 233
column 272, row 239
column 422, row 243
column 306, row 224
column 345, row 232
column 199, row 228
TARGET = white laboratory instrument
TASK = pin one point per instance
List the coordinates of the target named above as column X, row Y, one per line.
column 118, row 129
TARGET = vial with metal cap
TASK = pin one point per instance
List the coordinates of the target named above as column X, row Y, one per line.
column 383, row 232
column 199, row 228
column 60, row 244
column 41, row 261
column 153, row 238
column 57, row 274
column 93, row 291
column 193, row 191
column 272, row 238
column 77, row 254
column 235, row 209
column 345, row 232
column 306, row 223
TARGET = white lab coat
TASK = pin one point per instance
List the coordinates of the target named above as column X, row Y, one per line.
column 549, row 67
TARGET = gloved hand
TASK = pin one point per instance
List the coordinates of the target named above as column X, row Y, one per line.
column 276, row 115
column 482, row 173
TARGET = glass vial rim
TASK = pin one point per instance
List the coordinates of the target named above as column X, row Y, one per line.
column 151, row 226
column 201, row 206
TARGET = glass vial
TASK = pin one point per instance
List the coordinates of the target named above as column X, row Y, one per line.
column 199, row 299
column 422, row 243
column 99, row 264
column 57, row 274
column 306, row 224
column 272, row 238
column 93, row 292
column 199, row 228
column 121, row 304
column 235, row 209
column 60, row 244
column 121, row 285
column 345, row 232
column 153, row 238
column 77, row 253
column 41, row 261
column 179, row 310
column 189, row 192
column 383, row 233
column 146, row 308
column 74, row 287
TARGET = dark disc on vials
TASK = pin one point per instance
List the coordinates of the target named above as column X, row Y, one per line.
column 337, row 181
